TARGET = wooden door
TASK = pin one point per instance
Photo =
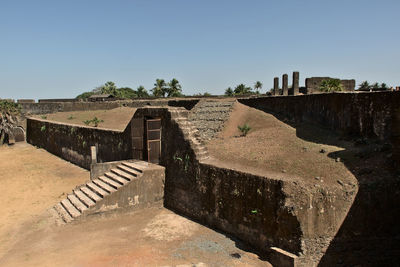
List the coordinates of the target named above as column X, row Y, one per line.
column 153, row 131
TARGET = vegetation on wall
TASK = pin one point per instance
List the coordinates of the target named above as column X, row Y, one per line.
column 8, row 119
column 331, row 85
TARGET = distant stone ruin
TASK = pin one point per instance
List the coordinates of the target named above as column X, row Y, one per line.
column 312, row 85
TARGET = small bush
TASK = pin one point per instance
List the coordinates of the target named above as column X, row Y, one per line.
column 95, row 121
column 43, row 128
column 71, row 117
column 244, row 129
column 43, row 117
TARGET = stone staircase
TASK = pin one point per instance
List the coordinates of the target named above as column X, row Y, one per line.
column 102, row 192
column 190, row 132
column 209, row 116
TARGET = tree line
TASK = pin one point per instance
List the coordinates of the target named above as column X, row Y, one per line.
column 242, row 89
column 160, row 89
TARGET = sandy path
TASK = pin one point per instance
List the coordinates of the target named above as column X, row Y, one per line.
column 34, row 180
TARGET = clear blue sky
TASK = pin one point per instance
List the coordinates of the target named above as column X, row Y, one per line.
column 59, row 49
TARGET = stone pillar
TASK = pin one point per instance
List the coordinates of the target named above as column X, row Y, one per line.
column 285, row 84
column 296, row 82
column 93, row 151
column 276, row 86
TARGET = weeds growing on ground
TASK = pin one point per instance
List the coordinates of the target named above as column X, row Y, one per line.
column 244, row 129
column 95, row 121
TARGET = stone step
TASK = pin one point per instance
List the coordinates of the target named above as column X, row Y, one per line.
column 136, row 166
column 116, row 178
column 65, row 216
column 56, row 216
column 129, row 170
column 84, row 198
column 90, row 194
column 110, row 182
column 99, row 191
column 77, row 203
column 74, row 212
column 123, row 174
column 104, row 186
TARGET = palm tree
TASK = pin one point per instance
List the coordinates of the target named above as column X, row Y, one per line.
column 331, row 85
column 242, row 89
column 229, row 92
column 174, row 89
column 109, row 88
column 141, row 91
column 364, row 86
column 159, row 89
column 258, row 86
column 375, row 87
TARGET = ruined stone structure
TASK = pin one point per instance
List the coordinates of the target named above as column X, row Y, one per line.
column 285, row 84
column 209, row 116
column 312, row 85
column 293, row 220
column 295, row 84
column 276, row 86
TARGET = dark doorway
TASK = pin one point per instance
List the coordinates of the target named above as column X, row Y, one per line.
column 153, row 140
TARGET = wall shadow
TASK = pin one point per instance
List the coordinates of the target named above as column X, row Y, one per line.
column 370, row 232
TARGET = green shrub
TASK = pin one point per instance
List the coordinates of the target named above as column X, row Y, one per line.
column 95, row 121
column 244, row 129
column 331, row 85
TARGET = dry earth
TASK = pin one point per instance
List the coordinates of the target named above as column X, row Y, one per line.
column 117, row 118
column 34, row 180
column 273, row 147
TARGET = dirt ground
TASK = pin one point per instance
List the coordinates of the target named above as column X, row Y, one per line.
column 34, row 180
column 273, row 147
column 117, row 118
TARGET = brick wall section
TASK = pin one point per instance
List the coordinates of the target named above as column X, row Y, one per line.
column 73, row 143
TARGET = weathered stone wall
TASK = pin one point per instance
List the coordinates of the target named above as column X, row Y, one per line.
column 51, row 107
column 72, row 142
column 358, row 114
column 263, row 211
column 209, row 116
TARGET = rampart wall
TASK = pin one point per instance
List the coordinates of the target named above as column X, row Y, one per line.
column 52, row 107
column 370, row 115
column 73, row 142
